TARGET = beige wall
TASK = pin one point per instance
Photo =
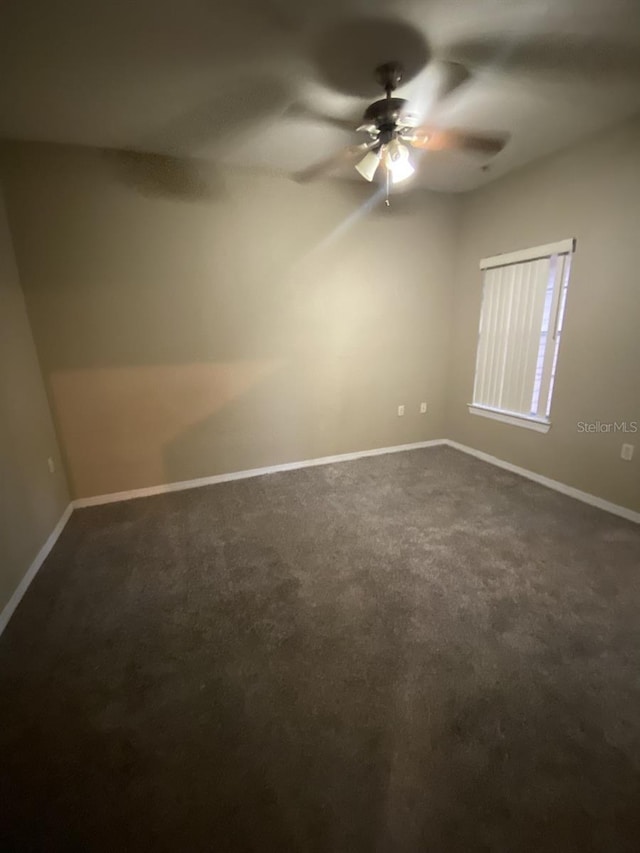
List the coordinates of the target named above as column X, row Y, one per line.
column 191, row 322
column 592, row 193
column 31, row 499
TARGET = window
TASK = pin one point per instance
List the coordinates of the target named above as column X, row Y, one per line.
column 523, row 304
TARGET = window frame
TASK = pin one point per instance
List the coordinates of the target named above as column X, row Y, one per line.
column 542, row 391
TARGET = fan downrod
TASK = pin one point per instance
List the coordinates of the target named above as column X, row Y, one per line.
column 385, row 113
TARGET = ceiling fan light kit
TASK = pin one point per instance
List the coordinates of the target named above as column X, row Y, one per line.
column 368, row 166
column 385, row 121
column 397, row 161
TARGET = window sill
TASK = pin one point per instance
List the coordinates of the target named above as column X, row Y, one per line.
column 537, row 424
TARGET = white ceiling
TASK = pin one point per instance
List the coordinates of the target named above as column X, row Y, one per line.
column 219, row 80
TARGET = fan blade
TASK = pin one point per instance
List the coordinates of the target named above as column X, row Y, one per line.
column 304, row 112
column 340, row 158
column 183, row 179
column 432, row 139
column 589, row 57
column 452, row 75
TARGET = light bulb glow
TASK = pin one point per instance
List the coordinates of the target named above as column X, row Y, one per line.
column 368, row 166
column 397, row 162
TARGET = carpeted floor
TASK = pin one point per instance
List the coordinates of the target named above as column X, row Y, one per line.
column 414, row 652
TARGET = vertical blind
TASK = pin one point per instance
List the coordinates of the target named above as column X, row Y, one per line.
column 516, row 345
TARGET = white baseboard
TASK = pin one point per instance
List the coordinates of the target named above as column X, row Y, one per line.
column 79, row 503
column 572, row 492
column 32, row 571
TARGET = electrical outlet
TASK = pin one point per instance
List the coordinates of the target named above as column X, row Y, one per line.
column 423, row 408
column 52, row 465
column 627, row 452
column 400, row 411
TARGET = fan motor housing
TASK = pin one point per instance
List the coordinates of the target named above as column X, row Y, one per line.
column 386, row 112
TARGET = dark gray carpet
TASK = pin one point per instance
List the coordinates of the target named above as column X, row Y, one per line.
column 416, row 652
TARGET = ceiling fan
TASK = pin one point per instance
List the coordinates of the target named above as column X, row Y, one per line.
column 392, row 129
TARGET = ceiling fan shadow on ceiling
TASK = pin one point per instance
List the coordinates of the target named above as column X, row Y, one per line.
column 392, row 130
